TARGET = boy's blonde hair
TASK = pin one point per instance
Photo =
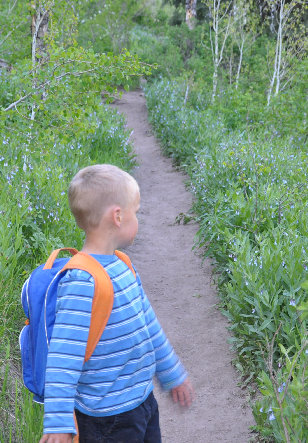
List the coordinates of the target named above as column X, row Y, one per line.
column 97, row 187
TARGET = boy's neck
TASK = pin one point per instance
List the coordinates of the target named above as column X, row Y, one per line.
column 97, row 251
column 100, row 247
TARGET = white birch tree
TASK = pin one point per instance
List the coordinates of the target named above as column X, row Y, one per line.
column 39, row 29
column 220, row 27
column 291, row 42
column 244, row 31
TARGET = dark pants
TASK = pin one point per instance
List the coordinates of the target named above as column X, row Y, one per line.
column 140, row 425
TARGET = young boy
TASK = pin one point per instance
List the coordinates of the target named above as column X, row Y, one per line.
column 112, row 392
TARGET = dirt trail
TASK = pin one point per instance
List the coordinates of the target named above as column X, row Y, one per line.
column 180, row 289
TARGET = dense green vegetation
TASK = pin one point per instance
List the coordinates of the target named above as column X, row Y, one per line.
column 247, row 163
column 53, row 122
column 251, row 203
column 244, row 148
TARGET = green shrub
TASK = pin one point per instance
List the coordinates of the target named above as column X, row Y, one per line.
column 251, row 201
column 156, row 49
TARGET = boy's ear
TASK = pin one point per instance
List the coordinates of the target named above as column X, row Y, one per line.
column 117, row 216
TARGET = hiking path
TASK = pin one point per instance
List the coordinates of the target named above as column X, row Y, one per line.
column 181, row 290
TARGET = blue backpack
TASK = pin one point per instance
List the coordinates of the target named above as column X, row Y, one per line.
column 39, row 297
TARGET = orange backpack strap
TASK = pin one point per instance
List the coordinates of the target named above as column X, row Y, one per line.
column 54, row 254
column 103, row 297
column 125, row 258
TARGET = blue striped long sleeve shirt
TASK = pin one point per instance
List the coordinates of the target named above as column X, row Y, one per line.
column 119, row 375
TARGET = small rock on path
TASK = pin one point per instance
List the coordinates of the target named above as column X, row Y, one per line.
column 181, row 291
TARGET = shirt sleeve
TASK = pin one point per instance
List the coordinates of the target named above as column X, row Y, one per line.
column 67, row 350
column 169, row 370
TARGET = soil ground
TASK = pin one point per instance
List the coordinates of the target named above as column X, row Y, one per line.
column 180, row 287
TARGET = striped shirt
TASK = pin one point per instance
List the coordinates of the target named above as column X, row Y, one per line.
column 119, row 375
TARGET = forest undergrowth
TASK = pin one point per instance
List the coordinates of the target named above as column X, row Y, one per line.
column 250, row 200
column 248, row 167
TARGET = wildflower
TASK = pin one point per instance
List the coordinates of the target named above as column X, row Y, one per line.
column 272, row 417
column 281, row 387
column 292, row 302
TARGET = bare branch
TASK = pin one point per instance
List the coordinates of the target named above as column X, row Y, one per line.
column 12, row 7
column 22, row 99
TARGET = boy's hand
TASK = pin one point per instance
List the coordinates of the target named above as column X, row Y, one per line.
column 56, row 438
column 184, row 394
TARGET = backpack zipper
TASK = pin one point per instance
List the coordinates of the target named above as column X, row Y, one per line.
column 46, row 295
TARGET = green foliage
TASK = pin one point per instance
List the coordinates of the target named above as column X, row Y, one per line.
column 53, row 122
column 15, row 37
column 247, row 163
column 249, row 182
column 173, row 49
column 156, row 49
column 282, row 412
column 105, row 27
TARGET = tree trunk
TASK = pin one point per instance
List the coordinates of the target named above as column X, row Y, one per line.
column 215, row 78
column 191, row 13
column 279, row 48
column 216, row 63
column 239, row 66
column 39, row 29
column 269, row 94
column 231, row 66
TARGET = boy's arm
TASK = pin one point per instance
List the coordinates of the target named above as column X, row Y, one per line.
column 66, row 353
column 169, row 370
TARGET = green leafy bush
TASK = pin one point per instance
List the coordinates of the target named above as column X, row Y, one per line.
column 156, row 49
column 251, row 201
